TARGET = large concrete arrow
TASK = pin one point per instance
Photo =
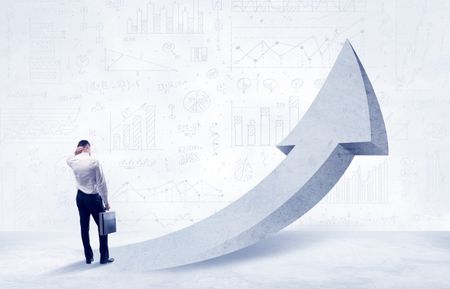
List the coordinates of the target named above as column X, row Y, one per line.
column 344, row 120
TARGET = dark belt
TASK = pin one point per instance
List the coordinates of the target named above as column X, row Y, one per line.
column 80, row 191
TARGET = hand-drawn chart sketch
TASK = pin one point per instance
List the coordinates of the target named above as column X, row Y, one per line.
column 182, row 17
column 117, row 61
column 263, row 126
column 290, row 46
column 136, row 131
column 298, row 5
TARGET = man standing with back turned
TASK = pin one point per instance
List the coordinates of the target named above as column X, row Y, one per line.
column 92, row 194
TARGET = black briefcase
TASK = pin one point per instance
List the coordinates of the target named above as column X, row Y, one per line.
column 107, row 222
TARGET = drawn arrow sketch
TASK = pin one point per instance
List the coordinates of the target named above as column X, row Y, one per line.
column 344, row 120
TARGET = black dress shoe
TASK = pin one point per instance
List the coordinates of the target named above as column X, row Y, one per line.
column 89, row 261
column 110, row 260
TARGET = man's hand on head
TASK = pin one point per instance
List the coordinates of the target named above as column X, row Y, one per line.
column 79, row 150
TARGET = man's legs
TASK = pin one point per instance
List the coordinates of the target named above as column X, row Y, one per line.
column 84, row 225
column 103, row 240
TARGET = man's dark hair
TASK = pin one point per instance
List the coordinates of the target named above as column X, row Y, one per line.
column 83, row 143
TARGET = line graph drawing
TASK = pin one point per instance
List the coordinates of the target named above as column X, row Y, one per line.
column 183, row 191
column 284, row 6
column 172, row 18
column 136, row 131
column 137, row 218
column 290, row 47
column 118, row 61
column 171, row 204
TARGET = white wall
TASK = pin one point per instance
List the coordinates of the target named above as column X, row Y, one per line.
column 72, row 70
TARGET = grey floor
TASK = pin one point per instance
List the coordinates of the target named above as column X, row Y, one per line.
column 289, row 259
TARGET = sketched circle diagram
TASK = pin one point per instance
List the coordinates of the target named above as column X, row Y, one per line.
column 196, row 101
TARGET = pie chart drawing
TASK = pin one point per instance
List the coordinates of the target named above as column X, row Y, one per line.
column 196, row 101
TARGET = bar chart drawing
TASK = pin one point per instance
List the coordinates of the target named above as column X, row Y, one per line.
column 435, row 177
column 263, row 125
column 362, row 188
column 136, row 131
column 199, row 54
column 173, row 18
column 294, row 111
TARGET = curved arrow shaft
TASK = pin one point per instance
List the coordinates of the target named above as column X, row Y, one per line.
column 271, row 205
column 300, row 203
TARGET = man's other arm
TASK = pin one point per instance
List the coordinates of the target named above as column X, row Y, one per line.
column 101, row 184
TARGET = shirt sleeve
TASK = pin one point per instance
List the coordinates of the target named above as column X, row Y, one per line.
column 101, row 183
column 69, row 160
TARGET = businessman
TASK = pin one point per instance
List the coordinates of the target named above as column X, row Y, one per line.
column 92, row 197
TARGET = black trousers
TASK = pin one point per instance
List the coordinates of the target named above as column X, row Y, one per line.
column 91, row 204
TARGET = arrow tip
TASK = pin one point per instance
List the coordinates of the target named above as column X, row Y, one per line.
column 378, row 144
column 347, row 104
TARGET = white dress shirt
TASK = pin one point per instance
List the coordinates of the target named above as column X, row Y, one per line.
column 88, row 174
